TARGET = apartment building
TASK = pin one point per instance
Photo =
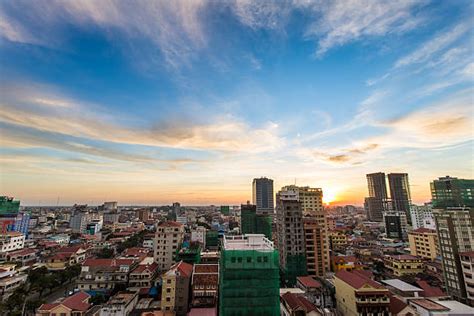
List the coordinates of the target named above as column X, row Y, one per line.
column 423, row 243
column 467, row 263
column 104, row 274
column 403, row 264
column 168, row 239
column 175, row 291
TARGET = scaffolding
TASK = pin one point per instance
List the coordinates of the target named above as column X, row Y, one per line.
column 249, row 281
column 295, row 267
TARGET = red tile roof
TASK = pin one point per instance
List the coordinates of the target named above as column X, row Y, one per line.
column 107, row 262
column 22, row 252
column 184, row 268
column 142, row 267
column 308, row 281
column 76, row 302
column 429, row 305
column 357, row 280
column 206, row 268
column 396, row 305
column 170, row 224
column 297, row 302
column 429, row 291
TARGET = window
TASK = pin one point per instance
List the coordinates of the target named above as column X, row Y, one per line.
column 232, row 259
column 249, row 259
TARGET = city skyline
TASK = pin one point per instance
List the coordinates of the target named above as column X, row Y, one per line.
column 188, row 101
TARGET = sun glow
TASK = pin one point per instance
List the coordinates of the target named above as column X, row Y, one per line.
column 329, row 195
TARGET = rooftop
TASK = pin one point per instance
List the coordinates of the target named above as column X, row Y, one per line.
column 248, row 242
column 423, row 230
column 402, row 286
column 357, row 280
column 429, row 305
column 206, row 268
column 121, row 298
column 308, row 281
column 430, row 291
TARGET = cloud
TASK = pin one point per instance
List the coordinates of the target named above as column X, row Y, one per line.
column 271, row 15
column 340, row 22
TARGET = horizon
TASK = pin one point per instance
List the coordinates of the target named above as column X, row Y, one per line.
column 190, row 100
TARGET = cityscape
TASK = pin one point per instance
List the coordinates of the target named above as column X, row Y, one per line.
column 236, row 158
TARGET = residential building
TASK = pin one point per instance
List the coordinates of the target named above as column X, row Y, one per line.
column 175, row 289
column 452, row 192
column 65, row 257
column 262, row 195
column 296, row 304
column 348, row 263
column 430, row 307
column 455, row 227
column 403, row 264
column 9, row 209
column 168, row 239
column 10, row 241
column 423, row 243
column 75, row 305
column 358, row 294
column 375, row 203
column 10, row 279
column 199, row 235
column 248, row 276
column 205, row 285
column 395, row 225
column 337, row 240
column 104, row 274
column 79, row 221
column 143, row 214
column 400, row 193
column 143, row 275
column 24, row 256
column 291, row 238
column 422, row 216
column 121, row 304
column 467, row 264
column 315, row 228
column 253, row 222
column 22, row 223
column 313, row 290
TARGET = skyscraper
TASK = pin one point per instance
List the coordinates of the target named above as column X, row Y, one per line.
column 253, row 223
column 375, row 204
column 400, row 193
column 262, row 195
column 315, row 228
column 454, row 215
column 291, row 241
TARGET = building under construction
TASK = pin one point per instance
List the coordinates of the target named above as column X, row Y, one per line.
column 249, row 277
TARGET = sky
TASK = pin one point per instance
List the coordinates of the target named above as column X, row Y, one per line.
column 152, row 102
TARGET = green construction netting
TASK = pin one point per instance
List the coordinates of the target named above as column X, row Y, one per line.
column 252, row 223
column 249, row 283
column 295, row 266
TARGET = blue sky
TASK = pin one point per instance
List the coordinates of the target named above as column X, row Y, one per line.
column 150, row 102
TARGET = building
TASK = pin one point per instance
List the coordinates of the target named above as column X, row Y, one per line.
column 422, row 216
column 400, row 193
column 22, row 223
column 10, row 241
column 10, row 279
column 452, row 192
column 104, row 274
column 79, row 222
column 262, row 195
column 199, row 235
column 423, row 243
column 358, row 294
column 430, row 307
column 248, row 276
column 315, row 228
column 375, row 203
column 455, row 227
column 175, row 291
column 121, row 304
column 143, row 275
column 312, row 289
column 143, row 214
column 348, row 263
column 337, row 240
column 168, row 239
column 205, row 285
column 467, row 263
column 293, row 304
column 395, row 225
column 9, row 209
column 75, row 305
column 403, row 264
column 252, row 222
column 291, row 238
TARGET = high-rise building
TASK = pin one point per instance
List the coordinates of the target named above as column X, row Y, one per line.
column 262, row 195
column 175, row 289
column 79, row 221
column 315, row 228
column 400, row 193
column 453, row 210
column 451, row 192
column 9, row 209
column 168, row 239
column 395, row 225
column 291, row 239
column 422, row 216
column 467, row 263
column 254, row 223
column 249, row 278
column 423, row 243
column 376, row 202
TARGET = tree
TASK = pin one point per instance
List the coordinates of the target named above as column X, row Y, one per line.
column 106, row 253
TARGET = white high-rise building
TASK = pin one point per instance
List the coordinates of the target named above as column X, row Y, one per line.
column 422, row 217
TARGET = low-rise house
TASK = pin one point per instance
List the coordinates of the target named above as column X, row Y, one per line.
column 297, row 305
column 175, row 290
column 65, row 257
column 347, row 263
column 26, row 256
column 358, row 294
column 428, row 307
column 205, row 284
column 75, row 305
column 104, row 274
column 143, row 275
column 11, row 241
column 311, row 287
column 121, row 304
column 10, row 279
column 403, row 264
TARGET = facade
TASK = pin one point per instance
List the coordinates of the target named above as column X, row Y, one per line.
column 168, row 239
column 348, row 263
column 400, row 193
column 337, row 241
column 10, row 241
column 252, row 222
column 10, row 280
column 395, row 225
column 143, row 276
column 455, row 227
column 9, row 209
column 248, row 276
column 467, row 263
column 291, row 238
column 121, row 304
column 262, row 195
column 357, row 294
column 104, row 274
column 452, row 192
column 175, row 290
column 79, row 222
column 205, row 285
column 375, row 203
column 199, row 235
column 424, row 243
column 422, row 216
column 403, row 264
